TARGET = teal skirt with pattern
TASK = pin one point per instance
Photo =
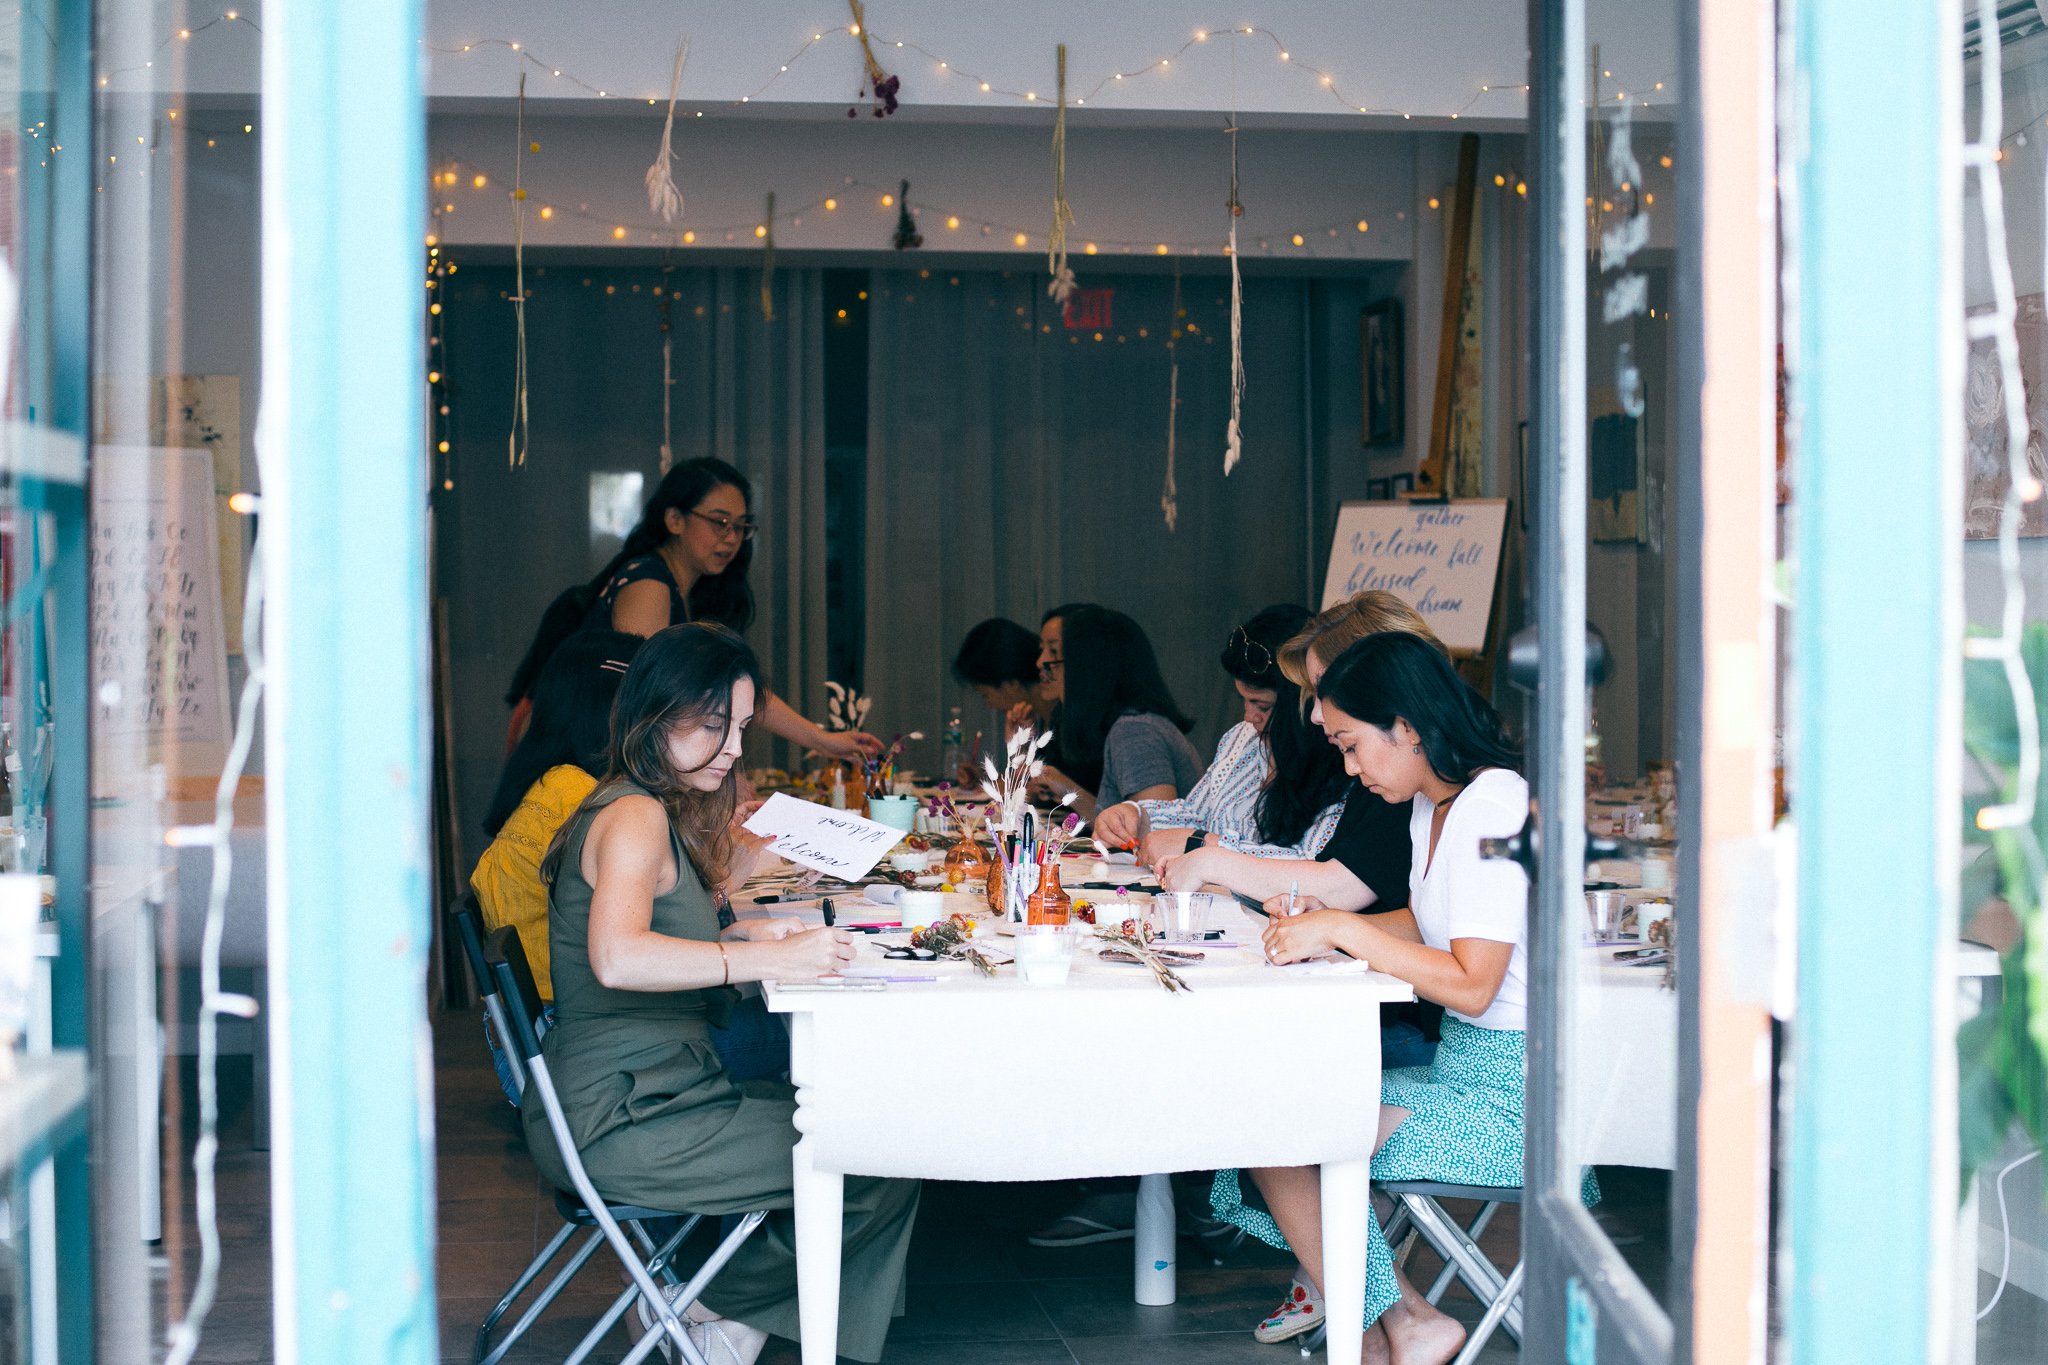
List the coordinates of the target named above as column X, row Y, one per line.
column 1464, row 1127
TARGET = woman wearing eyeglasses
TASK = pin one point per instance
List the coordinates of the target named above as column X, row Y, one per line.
column 1275, row 787
column 687, row 561
column 1117, row 733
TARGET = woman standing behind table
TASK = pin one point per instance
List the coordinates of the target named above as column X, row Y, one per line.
column 687, row 560
column 641, row 969
column 1411, row 731
column 1114, row 715
column 1275, row 786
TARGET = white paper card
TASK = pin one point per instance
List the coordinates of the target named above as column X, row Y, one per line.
column 836, row 842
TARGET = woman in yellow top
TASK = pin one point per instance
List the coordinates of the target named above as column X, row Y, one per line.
column 546, row 778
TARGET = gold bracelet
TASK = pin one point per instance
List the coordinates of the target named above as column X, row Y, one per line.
column 725, row 962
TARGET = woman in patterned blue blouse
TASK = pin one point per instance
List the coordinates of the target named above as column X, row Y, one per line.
column 1275, row 777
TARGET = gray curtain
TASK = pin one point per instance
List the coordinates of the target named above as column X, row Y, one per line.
column 1015, row 464
column 508, row 540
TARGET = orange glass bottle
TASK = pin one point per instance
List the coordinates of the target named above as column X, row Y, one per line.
column 1050, row 903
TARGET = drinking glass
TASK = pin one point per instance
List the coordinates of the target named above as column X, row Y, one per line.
column 1183, row 915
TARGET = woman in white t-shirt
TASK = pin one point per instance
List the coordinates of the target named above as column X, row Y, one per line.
column 1412, row 731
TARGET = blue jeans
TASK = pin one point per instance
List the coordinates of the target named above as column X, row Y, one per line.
column 1403, row 1044
column 754, row 1045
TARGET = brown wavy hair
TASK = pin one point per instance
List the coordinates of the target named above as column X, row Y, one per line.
column 681, row 679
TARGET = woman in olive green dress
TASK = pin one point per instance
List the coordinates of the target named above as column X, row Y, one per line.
column 641, row 970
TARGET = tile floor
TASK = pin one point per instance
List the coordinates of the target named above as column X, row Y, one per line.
column 978, row 1294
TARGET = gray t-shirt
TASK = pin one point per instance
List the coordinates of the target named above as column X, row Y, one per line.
column 1144, row 750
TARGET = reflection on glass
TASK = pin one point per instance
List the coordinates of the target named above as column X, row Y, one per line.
column 1621, row 1103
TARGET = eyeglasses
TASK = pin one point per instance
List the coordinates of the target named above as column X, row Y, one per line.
column 1049, row 667
column 1253, row 651
column 744, row 528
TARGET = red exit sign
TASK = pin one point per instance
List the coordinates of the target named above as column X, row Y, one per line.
column 1088, row 310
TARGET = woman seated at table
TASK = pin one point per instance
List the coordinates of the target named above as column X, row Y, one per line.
column 1412, row 732
column 687, row 560
column 1275, row 784
column 555, row 766
column 641, row 970
column 999, row 660
column 1114, row 717
column 1359, row 859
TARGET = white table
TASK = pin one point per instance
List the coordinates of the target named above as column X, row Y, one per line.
column 1624, row 1074
column 1108, row 1075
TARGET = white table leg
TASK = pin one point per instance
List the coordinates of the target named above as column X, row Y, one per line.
column 820, row 1212
column 1345, row 1200
column 1157, row 1241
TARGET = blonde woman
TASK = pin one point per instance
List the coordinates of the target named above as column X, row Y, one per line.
column 1359, row 851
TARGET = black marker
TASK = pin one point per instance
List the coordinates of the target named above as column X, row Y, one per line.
column 828, row 912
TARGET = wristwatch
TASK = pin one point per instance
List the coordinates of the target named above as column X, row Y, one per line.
column 1196, row 838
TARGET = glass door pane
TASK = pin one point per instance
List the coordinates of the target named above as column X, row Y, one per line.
column 1606, row 443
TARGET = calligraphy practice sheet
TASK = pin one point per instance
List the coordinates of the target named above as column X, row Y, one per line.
column 836, row 842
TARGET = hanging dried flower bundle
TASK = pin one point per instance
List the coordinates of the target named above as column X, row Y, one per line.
column 880, row 88
column 662, row 195
column 907, row 235
column 1063, row 283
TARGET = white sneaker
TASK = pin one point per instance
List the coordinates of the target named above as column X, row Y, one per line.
column 721, row 1341
column 648, row 1322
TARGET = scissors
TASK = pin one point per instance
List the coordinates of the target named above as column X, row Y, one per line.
column 903, row 952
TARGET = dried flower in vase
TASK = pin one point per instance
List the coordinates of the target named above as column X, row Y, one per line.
column 1010, row 790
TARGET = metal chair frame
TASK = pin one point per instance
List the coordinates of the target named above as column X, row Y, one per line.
column 508, row 980
column 1418, row 1214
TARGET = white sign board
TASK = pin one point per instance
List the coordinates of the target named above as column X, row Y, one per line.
column 837, row 843
column 1440, row 558
column 159, row 652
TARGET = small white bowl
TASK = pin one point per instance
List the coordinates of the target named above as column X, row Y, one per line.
column 913, row 860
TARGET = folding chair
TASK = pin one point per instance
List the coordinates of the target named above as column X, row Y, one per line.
column 506, row 961
column 1416, row 1210
column 468, row 920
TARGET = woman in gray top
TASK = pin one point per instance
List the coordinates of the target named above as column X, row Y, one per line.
column 1115, row 715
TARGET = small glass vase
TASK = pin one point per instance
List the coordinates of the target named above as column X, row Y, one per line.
column 1049, row 902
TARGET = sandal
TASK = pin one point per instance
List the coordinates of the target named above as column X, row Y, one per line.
column 1073, row 1230
column 1301, row 1311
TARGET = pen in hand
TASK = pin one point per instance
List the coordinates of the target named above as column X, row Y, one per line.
column 1293, row 894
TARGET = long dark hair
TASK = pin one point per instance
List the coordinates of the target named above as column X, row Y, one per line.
column 1307, row 772
column 1398, row 676
column 1111, row 669
column 723, row 597
column 683, row 677
column 572, row 716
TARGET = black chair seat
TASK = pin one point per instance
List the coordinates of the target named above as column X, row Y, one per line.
column 573, row 1210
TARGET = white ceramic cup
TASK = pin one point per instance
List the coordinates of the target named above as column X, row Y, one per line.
column 1648, row 914
column 1656, row 873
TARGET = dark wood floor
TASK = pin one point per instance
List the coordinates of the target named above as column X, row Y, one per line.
column 978, row 1294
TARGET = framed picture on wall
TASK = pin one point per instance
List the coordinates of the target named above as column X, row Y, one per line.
column 1379, row 490
column 1382, row 367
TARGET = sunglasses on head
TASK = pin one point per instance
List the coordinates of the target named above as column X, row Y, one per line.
column 1257, row 657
